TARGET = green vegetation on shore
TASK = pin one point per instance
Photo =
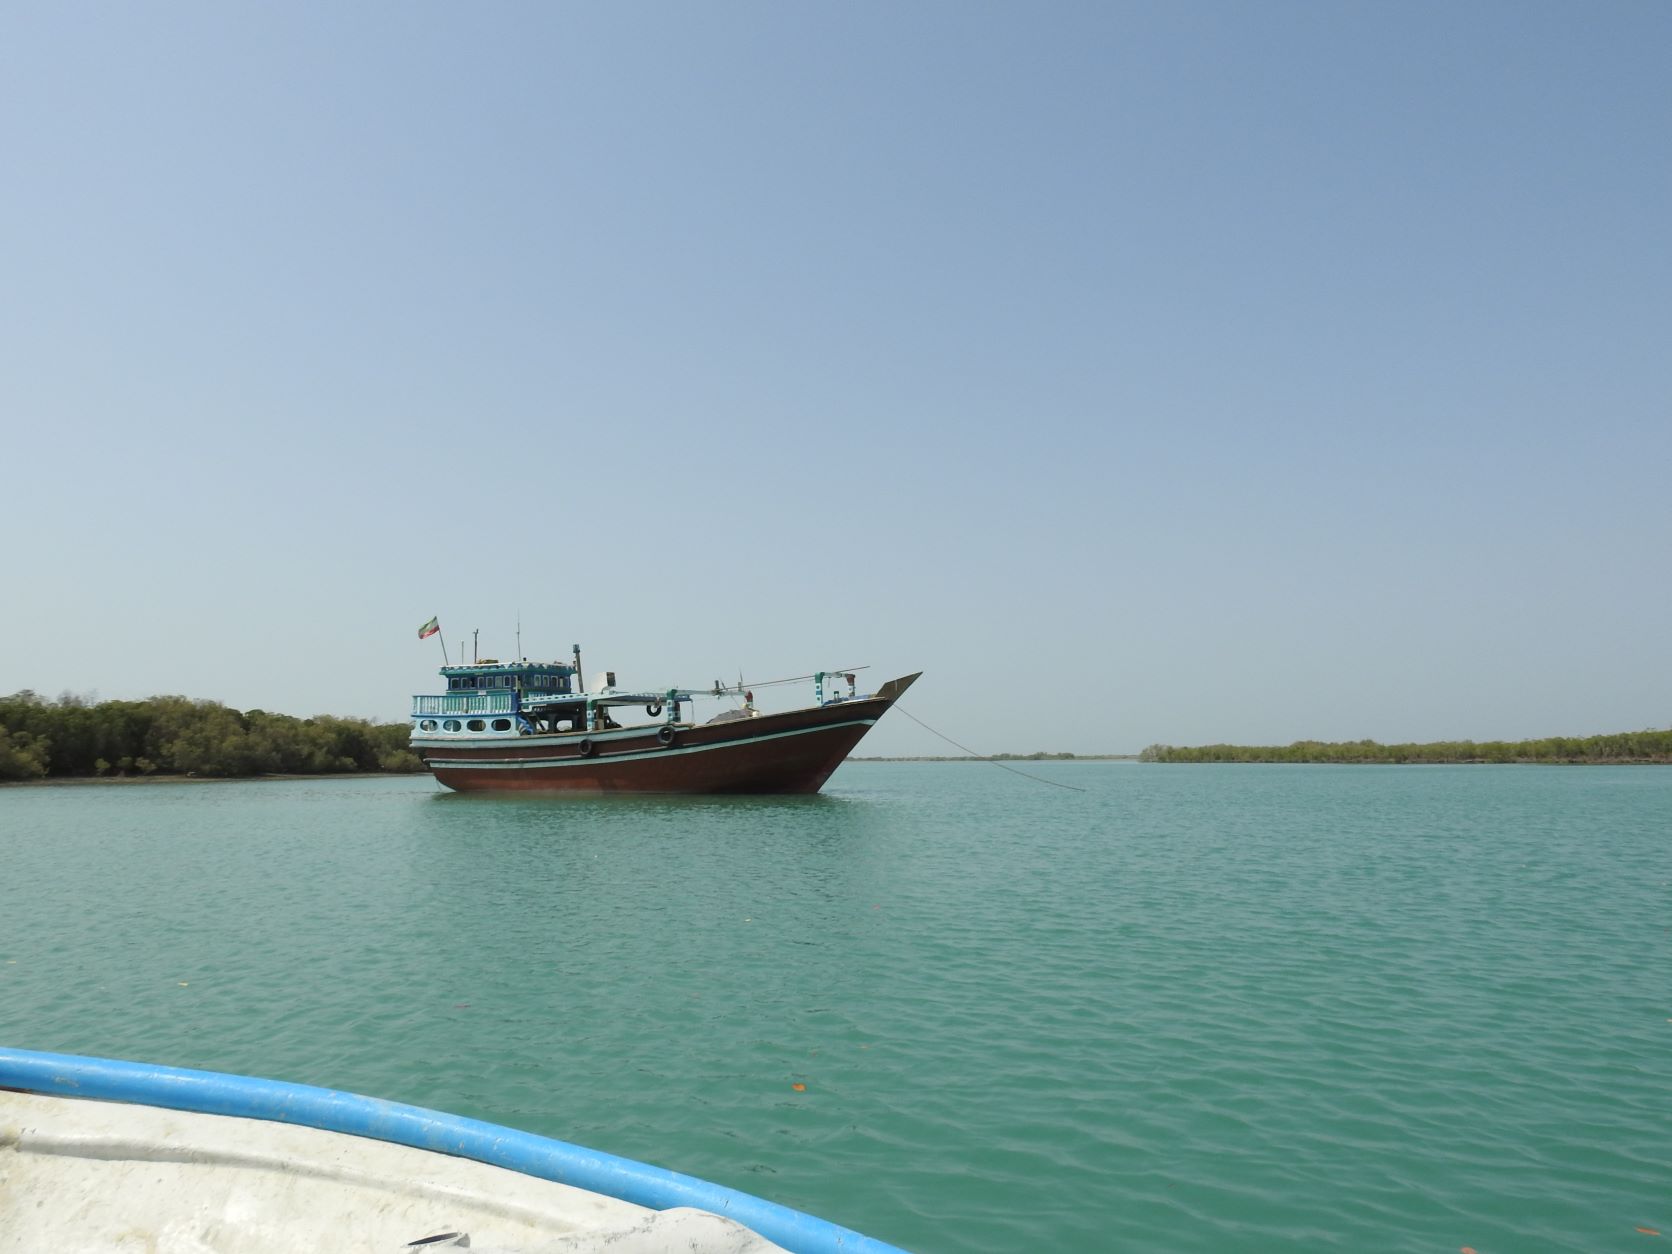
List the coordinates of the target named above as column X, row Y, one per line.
column 1621, row 747
column 71, row 737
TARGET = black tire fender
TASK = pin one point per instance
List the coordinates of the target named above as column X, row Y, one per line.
column 665, row 735
column 586, row 748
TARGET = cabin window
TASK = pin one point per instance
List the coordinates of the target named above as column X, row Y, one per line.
column 451, row 724
column 502, row 724
column 476, row 724
column 427, row 725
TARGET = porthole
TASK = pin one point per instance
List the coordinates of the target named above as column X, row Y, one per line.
column 427, row 725
column 451, row 724
column 476, row 724
column 502, row 724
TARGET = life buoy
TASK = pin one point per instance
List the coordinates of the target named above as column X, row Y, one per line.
column 586, row 748
column 653, row 709
column 664, row 734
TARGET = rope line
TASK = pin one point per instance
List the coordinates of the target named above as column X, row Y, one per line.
column 979, row 758
column 728, row 689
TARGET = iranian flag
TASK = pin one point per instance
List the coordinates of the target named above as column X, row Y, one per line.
column 429, row 629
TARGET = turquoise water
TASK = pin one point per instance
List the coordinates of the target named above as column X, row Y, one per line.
column 1189, row 1008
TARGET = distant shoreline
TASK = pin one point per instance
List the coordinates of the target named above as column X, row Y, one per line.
column 74, row 781
column 1650, row 747
column 1016, row 757
column 173, row 737
column 1406, row 762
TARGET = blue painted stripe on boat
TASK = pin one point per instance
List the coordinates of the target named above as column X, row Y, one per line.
column 216, row 1093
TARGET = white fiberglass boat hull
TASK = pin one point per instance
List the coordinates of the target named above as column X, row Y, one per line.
column 99, row 1156
column 88, row 1176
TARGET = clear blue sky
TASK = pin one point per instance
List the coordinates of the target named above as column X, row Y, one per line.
column 1140, row 372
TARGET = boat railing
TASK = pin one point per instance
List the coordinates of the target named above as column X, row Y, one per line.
column 465, row 703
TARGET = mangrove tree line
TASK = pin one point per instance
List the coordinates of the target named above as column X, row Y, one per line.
column 1642, row 746
column 179, row 736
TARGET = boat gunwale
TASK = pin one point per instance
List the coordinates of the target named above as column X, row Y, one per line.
column 756, row 723
column 332, row 1110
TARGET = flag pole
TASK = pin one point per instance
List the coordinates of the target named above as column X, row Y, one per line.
column 439, row 636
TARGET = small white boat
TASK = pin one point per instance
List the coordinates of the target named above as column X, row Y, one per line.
column 106, row 1157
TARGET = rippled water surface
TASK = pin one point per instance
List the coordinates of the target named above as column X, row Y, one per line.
column 1189, row 1008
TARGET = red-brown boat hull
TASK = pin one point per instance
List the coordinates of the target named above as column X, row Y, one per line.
column 792, row 752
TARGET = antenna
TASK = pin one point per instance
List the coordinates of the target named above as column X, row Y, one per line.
column 519, row 634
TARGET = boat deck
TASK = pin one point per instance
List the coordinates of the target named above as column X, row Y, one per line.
column 118, row 1177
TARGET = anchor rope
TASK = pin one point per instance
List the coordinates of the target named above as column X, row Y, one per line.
column 981, row 758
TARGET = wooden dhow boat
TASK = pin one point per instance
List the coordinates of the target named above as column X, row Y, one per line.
column 109, row 1156
column 530, row 727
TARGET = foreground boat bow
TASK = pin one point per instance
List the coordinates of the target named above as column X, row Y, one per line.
column 97, row 1154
